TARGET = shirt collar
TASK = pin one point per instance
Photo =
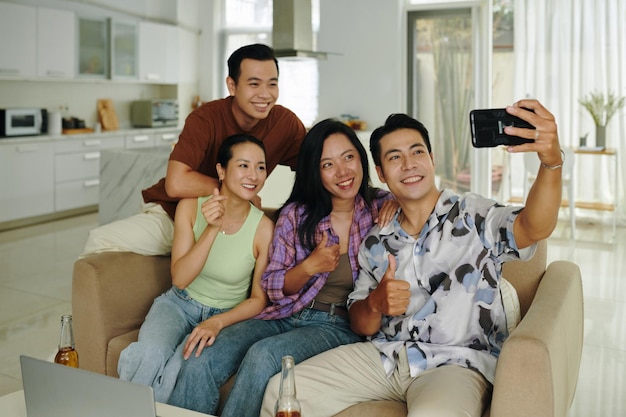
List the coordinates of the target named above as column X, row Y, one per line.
column 446, row 200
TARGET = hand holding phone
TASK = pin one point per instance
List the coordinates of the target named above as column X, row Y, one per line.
column 487, row 126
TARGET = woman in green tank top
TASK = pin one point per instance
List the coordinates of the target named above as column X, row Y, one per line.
column 219, row 253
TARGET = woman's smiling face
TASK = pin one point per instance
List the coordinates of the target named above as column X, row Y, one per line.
column 340, row 167
column 245, row 174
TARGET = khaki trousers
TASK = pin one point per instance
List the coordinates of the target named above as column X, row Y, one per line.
column 336, row 379
column 147, row 233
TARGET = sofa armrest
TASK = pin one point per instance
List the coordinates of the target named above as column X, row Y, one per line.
column 538, row 367
column 111, row 295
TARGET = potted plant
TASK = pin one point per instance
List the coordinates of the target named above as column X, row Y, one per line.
column 602, row 108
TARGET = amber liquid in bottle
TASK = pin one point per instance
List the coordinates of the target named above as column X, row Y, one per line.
column 288, row 414
column 287, row 404
column 67, row 354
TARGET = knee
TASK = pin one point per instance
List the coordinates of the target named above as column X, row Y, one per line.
column 262, row 359
column 142, row 352
column 200, row 370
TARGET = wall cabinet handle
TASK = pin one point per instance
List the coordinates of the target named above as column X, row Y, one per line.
column 92, row 142
column 56, row 73
column 91, row 156
column 27, row 148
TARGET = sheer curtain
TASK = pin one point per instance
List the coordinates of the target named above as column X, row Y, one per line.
column 565, row 49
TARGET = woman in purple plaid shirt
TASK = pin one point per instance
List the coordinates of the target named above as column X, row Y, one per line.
column 313, row 265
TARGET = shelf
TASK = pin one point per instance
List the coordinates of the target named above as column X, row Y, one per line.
column 595, row 151
column 587, row 205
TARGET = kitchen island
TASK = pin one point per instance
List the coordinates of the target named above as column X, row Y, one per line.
column 123, row 174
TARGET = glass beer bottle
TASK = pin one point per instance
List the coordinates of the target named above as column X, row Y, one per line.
column 287, row 404
column 67, row 354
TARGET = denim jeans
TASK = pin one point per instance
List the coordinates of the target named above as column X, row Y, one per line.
column 254, row 350
column 156, row 357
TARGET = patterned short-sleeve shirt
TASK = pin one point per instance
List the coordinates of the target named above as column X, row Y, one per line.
column 455, row 315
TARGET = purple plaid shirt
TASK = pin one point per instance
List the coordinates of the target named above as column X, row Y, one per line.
column 286, row 252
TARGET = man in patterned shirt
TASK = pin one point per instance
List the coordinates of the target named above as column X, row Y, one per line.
column 427, row 296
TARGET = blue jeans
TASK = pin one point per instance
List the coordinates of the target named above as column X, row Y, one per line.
column 254, row 349
column 156, row 357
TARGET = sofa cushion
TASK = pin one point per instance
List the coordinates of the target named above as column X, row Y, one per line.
column 384, row 408
column 510, row 302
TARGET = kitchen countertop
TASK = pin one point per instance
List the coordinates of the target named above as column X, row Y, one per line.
column 100, row 135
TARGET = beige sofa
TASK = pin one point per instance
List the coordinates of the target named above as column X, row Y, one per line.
column 536, row 373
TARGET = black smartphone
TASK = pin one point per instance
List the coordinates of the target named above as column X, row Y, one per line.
column 488, row 125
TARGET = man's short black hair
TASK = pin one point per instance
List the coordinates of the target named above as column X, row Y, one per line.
column 256, row 51
column 395, row 122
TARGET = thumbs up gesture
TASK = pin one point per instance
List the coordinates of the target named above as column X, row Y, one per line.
column 392, row 295
column 213, row 209
column 324, row 258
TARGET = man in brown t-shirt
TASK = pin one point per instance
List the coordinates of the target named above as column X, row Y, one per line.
column 250, row 108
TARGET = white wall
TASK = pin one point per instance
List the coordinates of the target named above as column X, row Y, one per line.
column 366, row 79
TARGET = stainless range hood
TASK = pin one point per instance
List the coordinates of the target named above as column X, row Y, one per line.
column 292, row 33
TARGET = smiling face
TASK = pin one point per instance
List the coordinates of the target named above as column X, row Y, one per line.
column 255, row 92
column 245, row 173
column 406, row 166
column 340, row 168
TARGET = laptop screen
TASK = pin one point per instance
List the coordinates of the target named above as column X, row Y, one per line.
column 53, row 390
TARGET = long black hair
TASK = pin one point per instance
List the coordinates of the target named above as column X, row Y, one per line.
column 308, row 190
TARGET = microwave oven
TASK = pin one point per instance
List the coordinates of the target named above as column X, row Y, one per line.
column 154, row 113
column 23, row 122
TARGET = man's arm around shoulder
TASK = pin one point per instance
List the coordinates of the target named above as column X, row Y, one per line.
column 181, row 181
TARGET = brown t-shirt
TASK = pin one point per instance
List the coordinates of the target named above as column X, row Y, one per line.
column 206, row 128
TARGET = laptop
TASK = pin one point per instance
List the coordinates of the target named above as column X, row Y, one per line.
column 53, row 390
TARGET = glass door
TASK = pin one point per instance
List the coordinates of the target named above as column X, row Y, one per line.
column 124, row 40
column 93, row 48
column 446, row 79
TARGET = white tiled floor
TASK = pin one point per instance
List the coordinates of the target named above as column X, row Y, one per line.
column 35, row 288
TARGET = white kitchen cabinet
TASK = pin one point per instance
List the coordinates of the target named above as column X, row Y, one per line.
column 124, row 50
column 44, row 175
column 18, row 40
column 93, row 47
column 158, row 53
column 56, row 43
column 26, row 180
column 77, row 170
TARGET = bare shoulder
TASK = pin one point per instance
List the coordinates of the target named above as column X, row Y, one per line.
column 266, row 228
column 186, row 208
column 263, row 236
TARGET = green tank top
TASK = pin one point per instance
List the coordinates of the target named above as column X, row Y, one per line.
column 227, row 274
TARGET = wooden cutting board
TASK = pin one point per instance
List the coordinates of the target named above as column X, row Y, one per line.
column 107, row 115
